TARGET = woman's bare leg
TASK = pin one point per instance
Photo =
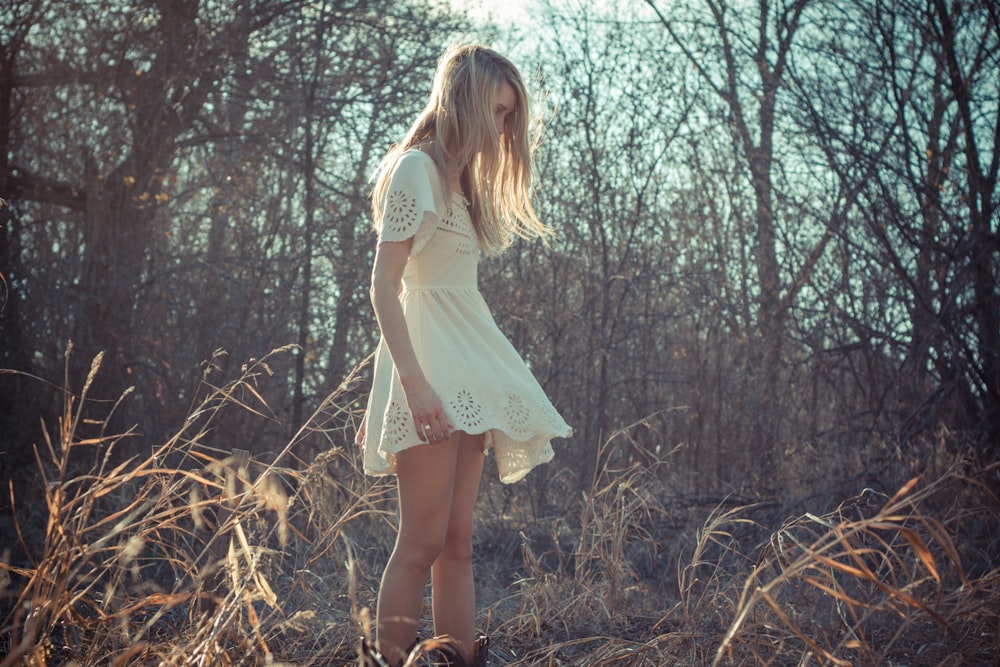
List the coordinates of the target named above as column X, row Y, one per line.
column 453, row 589
column 425, row 477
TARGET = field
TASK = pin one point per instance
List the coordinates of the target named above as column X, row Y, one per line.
column 194, row 556
column 770, row 311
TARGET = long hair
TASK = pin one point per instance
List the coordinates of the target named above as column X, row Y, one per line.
column 457, row 129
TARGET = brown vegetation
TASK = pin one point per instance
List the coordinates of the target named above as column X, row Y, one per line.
column 191, row 555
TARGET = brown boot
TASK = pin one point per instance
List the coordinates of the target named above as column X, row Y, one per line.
column 452, row 658
column 482, row 654
column 369, row 656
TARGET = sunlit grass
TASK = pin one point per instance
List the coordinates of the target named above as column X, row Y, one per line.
column 194, row 555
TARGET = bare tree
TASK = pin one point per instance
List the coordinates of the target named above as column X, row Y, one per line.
column 588, row 311
column 190, row 176
column 968, row 38
column 950, row 155
column 744, row 54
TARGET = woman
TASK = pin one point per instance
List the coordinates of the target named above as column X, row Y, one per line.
column 447, row 385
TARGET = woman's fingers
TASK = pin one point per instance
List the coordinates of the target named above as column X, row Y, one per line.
column 429, row 429
column 432, row 426
column 422, row 424
column 428, row 414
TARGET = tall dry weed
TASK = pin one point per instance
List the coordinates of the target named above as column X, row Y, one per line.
column 878, row 580
column 866, row 584
column 145, row 562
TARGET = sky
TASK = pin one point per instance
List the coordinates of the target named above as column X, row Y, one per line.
column 524, row 13
column 503, row 12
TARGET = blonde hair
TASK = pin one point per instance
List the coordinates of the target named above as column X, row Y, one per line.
column 457, row 129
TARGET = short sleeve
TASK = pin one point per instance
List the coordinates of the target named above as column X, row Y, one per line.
column 410, row 209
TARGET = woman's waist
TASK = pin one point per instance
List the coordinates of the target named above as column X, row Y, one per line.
column 454, row 271
column 438, row 287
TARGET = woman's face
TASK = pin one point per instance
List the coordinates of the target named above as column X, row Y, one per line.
column 506, row 102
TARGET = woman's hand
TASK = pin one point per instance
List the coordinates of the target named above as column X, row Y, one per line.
column 428, row 414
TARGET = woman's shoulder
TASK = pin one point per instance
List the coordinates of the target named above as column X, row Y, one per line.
column 416, row 166
column 413, row 173
column 413, row 158
column 416, row 153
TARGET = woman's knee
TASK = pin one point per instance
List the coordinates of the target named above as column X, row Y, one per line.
column 458, row 546
column 419, row 549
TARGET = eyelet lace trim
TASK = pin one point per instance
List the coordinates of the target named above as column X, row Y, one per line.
column 400, row 220
column 458, row 223
column 400, row 213
column 398, row 424
column 466, row 408
column 523, row 417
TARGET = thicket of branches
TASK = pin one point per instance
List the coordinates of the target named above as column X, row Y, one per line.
column 778, row 225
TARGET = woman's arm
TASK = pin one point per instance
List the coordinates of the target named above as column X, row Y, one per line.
column 423, row 401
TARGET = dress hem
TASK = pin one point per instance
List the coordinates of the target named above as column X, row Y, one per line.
column 544, row 454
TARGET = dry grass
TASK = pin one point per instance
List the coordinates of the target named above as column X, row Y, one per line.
column 195, row 555
column 186, row 563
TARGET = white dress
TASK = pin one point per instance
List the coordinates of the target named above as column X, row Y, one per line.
column 483, row 384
